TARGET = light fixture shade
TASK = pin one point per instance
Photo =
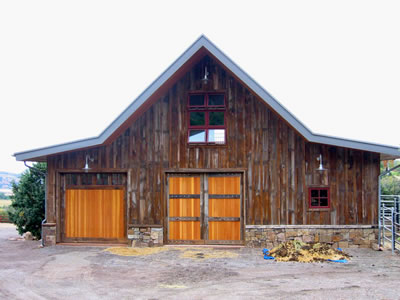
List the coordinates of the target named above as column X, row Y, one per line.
column 205, row 79
column 87, row 159
column 86, row 168
column 321, row 167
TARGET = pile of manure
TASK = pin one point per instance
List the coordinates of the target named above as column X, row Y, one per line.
column 306, row 252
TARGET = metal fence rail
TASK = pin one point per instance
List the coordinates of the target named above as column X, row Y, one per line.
column 389, row 221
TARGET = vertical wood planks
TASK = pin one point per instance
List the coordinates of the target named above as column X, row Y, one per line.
column 280, row 163
column 94, row 214
column 184, row 207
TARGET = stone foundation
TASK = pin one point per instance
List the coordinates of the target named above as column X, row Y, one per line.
column 346, row 236
column 145, row 236
column 49, row 234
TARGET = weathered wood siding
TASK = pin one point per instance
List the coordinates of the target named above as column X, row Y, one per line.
column 280, row 165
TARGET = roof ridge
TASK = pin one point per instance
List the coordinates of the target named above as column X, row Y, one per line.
column 200, row 42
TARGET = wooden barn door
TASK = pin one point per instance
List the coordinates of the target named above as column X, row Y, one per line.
column 224, row 211
column 184, row 209
column 94, row 214
column 93, row 207
column 204, row 209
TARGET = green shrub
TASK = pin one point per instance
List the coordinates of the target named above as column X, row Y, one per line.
column 27, row 204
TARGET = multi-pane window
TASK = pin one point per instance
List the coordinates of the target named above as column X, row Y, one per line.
column 207, row 124
column 319, row 197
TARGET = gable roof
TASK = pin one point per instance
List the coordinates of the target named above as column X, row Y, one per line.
column 139, row 104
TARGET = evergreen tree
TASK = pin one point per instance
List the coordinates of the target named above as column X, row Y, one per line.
column 27, row 204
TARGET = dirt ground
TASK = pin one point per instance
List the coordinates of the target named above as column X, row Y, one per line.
column 70, row 272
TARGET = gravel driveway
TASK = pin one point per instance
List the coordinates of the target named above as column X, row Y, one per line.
column 70, row 272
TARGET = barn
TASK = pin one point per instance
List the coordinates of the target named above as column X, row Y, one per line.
column 206, row 156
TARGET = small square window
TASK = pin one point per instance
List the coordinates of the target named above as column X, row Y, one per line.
column 196, row 100
column 314, row 202
column 216, row 136
column 197, row 136
column 323, row 202
column 314, row 193
column 216, row 118
column 216, row 100
column 197, row 118
column 206, row 118
column 319, row 197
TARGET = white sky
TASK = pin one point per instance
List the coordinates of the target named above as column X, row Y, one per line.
column 69, row 68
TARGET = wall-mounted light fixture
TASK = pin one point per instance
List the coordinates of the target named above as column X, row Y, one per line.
column 205, row 79
column 321, row 167
column 87, row 159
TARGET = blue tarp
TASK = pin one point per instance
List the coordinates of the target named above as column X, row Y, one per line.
column 266, row 252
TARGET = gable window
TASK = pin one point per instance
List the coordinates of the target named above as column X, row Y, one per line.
column 319, row 197
column 206, row 117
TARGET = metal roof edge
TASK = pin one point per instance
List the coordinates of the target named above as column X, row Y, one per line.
column 74, row 145
column 354, row 144
column 155, row 85
column 38, row 152
column 258, row 89
column 203, row 41
column 290, row 118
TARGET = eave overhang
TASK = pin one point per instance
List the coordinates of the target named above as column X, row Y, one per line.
column 193, row 54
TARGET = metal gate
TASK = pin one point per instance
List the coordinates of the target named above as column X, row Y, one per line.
column 389, row 222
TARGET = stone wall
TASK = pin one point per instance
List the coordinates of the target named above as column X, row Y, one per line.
column 339, row 236
column 145, row 236
column 49, row 234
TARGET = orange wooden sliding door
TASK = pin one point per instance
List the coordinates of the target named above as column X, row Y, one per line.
column 94, row 213
column 224, row 208
column 184, row 208
column 205, row 208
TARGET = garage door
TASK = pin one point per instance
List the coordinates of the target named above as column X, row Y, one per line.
column 94, row 214
column 204, row 209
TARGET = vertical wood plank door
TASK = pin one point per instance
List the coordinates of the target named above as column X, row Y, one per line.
column 224, row 208
column 95, row 214
column 184, row 208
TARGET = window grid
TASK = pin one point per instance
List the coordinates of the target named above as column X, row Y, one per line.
column 319, row 197
column 207, row 128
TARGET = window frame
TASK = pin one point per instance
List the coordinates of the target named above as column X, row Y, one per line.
column 207, row 109
column 319, row 188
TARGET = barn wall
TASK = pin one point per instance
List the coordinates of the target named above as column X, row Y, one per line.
column 280, row 165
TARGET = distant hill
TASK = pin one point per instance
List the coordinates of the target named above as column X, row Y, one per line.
column 6, row 178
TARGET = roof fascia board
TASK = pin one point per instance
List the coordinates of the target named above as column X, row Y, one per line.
column 176, row 65
column 291, row 119
column 258, row 89
column 340, row 142
column 202, row 41
column 85, row 143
